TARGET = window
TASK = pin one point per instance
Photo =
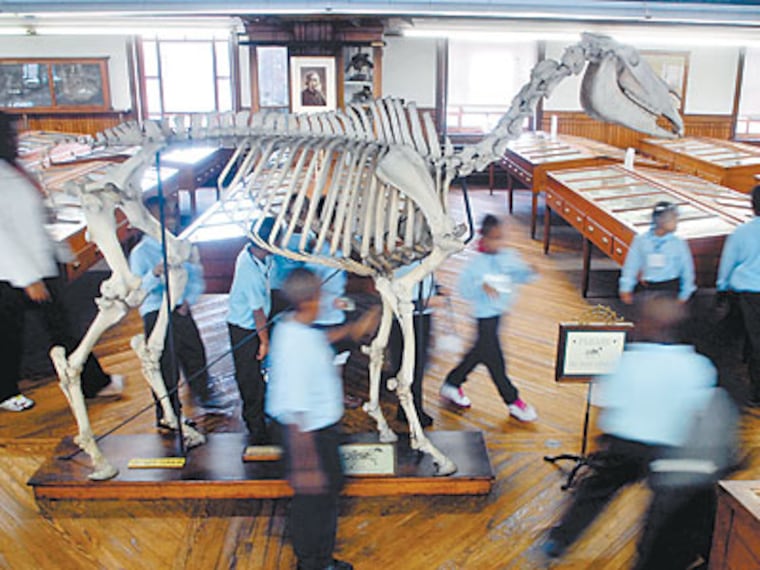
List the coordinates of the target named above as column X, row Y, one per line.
column 483, row 80
column 187, row 76
column 748, row 117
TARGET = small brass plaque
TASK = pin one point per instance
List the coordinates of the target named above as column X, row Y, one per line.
column 156, row 463
column 262, row 453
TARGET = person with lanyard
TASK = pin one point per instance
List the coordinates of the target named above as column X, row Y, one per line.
column 739, row 273
column 488, row 281
column 427, row 295
column 249, row 304
column 29, row 280
column 658, row 259
column 147, row 261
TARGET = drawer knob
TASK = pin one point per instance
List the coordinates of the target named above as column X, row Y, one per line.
column 591, row 228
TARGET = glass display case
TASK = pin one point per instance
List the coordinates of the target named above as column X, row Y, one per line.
column 728, row 163
column 611, row 205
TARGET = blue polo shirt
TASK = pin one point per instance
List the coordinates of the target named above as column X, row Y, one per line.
column 249, row 290
column 654, row 392
column 302, row 377
column 656, row 259
column 333, row 282
column 739, row 268
column 282, row 266
column 144, row 258
column 506, row 265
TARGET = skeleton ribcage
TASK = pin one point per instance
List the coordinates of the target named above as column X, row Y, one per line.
column 326, row 190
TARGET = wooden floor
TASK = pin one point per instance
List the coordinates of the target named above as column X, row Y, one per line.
column 499, row 531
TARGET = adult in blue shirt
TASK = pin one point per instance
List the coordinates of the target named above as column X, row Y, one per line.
column 739, row 272
column 250, row 302
column 648, row 405
column 488, row 282
column 146, row 261
column 658, row 260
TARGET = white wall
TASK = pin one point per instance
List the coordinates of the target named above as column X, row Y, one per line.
column 709, row 86
column 409, row 66
column 112, row 47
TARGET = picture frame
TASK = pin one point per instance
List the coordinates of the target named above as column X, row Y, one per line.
column 673, row 67
column 313, row 86
column 55, row 85
column 585, row 351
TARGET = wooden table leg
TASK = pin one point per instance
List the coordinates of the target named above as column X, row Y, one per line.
column 490, row 178
column 547, row 228
column 533, row 213
column 587, row 247
column 510, row 189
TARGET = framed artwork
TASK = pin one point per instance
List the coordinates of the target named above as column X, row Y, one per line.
column 673, row 67
column 588, row 350
column 55, row 85
column 312, row 84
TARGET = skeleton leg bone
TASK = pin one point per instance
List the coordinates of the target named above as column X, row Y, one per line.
column 376, row 351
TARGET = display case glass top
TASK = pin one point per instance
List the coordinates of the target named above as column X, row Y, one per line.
column 704, row 208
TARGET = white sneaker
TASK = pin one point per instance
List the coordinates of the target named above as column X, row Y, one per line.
column 114, row 388
column 17, row 403
column 523, row 411
column 455, row 395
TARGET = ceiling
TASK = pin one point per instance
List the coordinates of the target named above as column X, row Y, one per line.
column 737, row 12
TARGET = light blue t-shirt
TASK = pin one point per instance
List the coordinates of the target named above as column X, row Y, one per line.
column 302, row 377
column 144, row 258
column 505, row 265
column 739, row 268
column 656, row 259
column 333, row 286
column 654, row 393
column 249, row 290
column 282, row 266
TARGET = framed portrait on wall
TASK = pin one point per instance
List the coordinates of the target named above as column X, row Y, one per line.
column 312, row 84
column 673, row 67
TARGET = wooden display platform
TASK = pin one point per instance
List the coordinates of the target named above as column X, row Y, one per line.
column 216, row 470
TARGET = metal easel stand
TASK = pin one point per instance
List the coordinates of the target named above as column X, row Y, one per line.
column 582, row 459
column 598, row 315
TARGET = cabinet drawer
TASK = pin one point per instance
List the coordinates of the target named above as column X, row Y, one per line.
column 554, row 201
column 517, row 172
column 86, row 257
column 600, row 237
column 574, row 217
column 619, row 251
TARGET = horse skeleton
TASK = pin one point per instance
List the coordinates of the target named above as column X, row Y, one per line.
column 384, row 181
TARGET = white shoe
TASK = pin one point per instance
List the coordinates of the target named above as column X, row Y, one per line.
column 17, row 403
column 455, row 395
column 523, row 411
column 114, row 388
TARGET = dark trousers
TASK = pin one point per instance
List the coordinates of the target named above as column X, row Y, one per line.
column 250, row 380
column 422, row 324
column 13, row 304
column 749, row 303
column 189, row 357
column 671, row 512
column 314, row 518
column 486, row 350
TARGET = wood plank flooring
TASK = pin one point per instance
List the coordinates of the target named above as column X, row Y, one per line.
column 498, row 531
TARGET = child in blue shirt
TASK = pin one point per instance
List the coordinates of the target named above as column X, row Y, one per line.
column 146, row 261
column 250, row 302
column 305, row 399
column 488, row 282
